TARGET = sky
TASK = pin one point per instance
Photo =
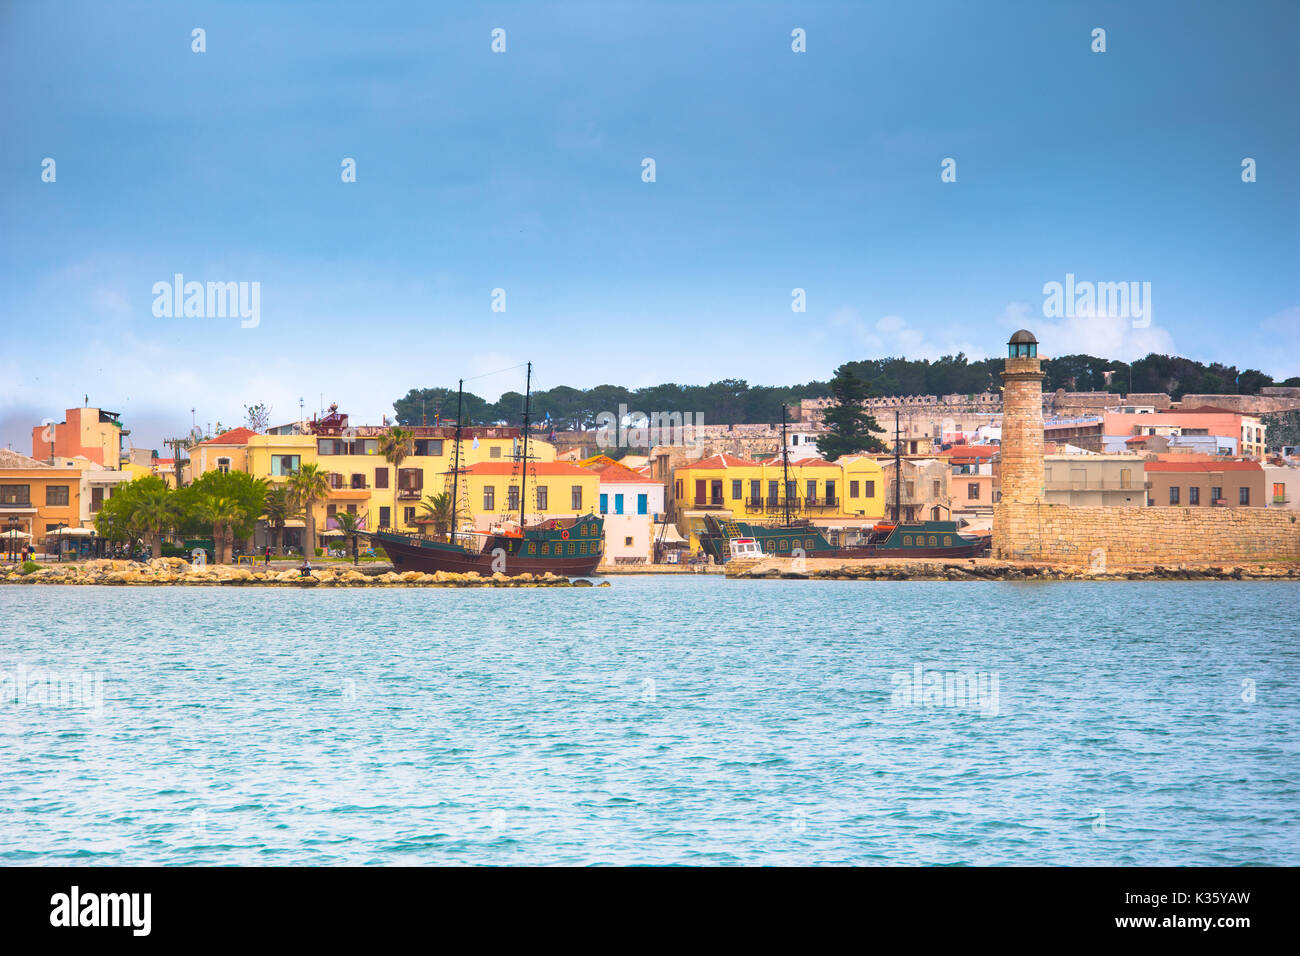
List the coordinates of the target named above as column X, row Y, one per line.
column 523, row 171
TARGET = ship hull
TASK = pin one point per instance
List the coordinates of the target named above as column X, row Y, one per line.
column 508, row 555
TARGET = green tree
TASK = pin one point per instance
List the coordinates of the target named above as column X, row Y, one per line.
column 351, row 526
column 280, row 507
column 850, row 427
column 142, row 508
column 438, row 507
column 309, row 485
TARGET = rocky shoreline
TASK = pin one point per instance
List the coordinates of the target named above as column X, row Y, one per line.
column 164, row 571
column 984, row 569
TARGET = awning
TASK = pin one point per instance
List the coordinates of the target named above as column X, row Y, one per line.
column 74, row 532
column 15, row 534
column 329, row 533
column 669, row 535
column 295, row 523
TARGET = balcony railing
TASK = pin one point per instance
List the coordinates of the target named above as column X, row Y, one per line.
column 1094, row 484
column 409, row 494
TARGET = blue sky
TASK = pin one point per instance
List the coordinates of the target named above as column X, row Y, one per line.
column 522, row 171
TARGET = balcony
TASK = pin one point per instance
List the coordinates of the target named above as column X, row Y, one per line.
column 409, row 494
column 714, row 504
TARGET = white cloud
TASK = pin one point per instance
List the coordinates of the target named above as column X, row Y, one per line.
column 1100, row 335
column 892, row 335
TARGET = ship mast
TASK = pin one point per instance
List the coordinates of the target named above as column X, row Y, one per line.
column 785, row 469
column 898, row 471
column 523, row 478
column 455, row 468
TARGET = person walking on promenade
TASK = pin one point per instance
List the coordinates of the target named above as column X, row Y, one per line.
column 268, row 555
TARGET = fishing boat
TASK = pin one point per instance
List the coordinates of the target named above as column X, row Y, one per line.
column 565, row 546
column 801, row 538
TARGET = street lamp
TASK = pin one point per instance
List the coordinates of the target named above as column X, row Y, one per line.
column 59, row 532
column 13, row 538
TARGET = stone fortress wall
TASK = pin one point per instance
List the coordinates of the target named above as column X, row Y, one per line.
column 1025, row 528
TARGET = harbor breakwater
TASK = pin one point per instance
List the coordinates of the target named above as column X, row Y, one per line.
column 163, row 571
column 989, row 569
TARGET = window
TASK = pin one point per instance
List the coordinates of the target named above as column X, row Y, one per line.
column 96, row 499
column 542, row 498
column 57, row 494
column 573, row 547
column 384, row 512
column 830, row 491
column 618, row 504
column 331, row 510
column 357, row 481
column 494, row 451
column 1125, row 478
column 715, row 491
column 627, row 542
column 870, row 489
column 812, row 489
column 1194, row 495
column 604, row 504
column 1216, row 495
column 736, row 492
column 575, row 498
column 15, row 494
column 907, row 540
column 1279, row 493
column 853, row 490
column 352, row 509
column 1173, row 494
column 755, row 489
column 937, row 488
column 546, row 547
column 1243, row 495
column 973, row 491
column 408, row 516
column 947, row 541
column 223, row 465
column 283, row 465
column 410, row 480
column 642, row 504
column 792, row 490
column 489, row 498
column 381, row 477
column 512, row 498
column 428, row 446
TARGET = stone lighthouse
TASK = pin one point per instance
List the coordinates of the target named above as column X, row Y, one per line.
column 1022, row 421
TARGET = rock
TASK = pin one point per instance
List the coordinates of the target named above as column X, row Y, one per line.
column 583, row 583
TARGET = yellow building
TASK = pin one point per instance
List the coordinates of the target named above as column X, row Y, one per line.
column 37, row 498
column 361, row 480
column 491, row 492
column 847, row 494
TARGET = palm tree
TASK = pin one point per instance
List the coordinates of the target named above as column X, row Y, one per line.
column 223, row 512
column 309, row 485
column 438, row 508
column 395, row 444
column 351, row 526
column 279, row 508
column 152, row 513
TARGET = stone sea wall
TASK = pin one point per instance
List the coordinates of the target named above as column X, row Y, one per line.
column 1143, row 537
column 163, row 571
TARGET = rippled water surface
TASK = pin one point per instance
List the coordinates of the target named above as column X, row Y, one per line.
column 661, row 720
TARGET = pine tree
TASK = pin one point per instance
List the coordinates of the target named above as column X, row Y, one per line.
column 851, row 426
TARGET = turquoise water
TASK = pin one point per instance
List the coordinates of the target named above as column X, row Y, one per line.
column 662, row 720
